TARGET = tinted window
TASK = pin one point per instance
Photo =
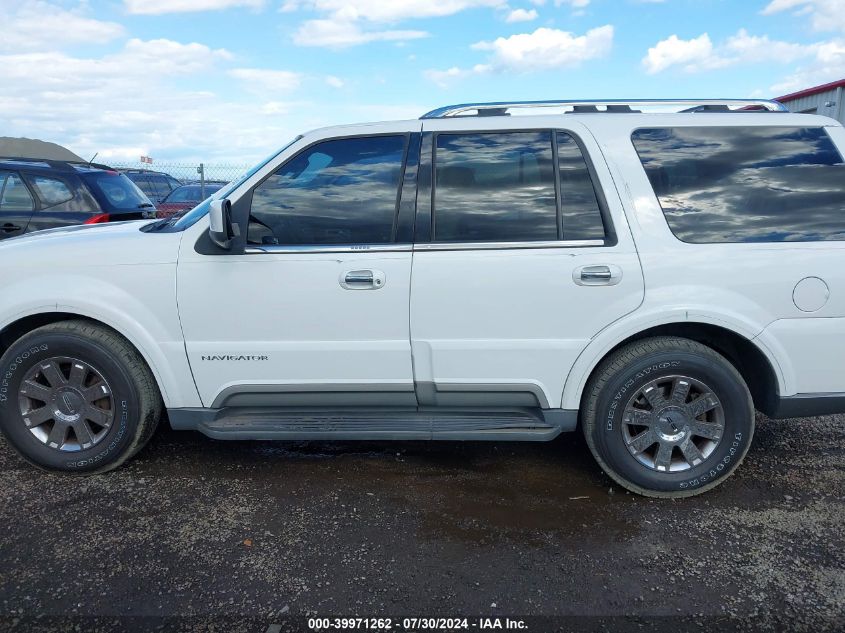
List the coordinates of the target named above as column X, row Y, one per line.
column 579, row 205
column 184, row 194
column 495, row 187
column 337, row 192
column 751, row 184
column 160, row 185
column 191, row 193
column 116, row 191
column 50, row 190
column 14, row 196
column 143, row 184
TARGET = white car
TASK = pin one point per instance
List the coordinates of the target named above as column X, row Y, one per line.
column 650, row 277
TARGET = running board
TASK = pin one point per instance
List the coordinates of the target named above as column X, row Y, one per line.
column 375, row 424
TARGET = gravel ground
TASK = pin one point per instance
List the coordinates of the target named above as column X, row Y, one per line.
column 254, row 536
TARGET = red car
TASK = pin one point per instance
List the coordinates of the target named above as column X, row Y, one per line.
column 185, row 197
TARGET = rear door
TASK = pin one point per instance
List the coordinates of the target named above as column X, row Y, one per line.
column 61, row 198
column 16, row 205
column 522, row 255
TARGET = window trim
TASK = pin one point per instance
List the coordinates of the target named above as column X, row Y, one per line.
column 40, row 203
column 674, row 235
column 426, row 220
column 33, row 199
column 393, row 246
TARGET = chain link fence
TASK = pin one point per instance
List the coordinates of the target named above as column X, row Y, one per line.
column 192, row 172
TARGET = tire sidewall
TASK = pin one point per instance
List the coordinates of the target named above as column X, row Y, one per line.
column 19, row 360
column 718, row 376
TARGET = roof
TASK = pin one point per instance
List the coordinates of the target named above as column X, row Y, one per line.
column 33, row 148
column 809, row 92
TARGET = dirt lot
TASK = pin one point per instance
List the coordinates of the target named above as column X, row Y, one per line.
column 255, row 536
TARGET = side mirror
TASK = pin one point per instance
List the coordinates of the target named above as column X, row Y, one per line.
column 221, row 228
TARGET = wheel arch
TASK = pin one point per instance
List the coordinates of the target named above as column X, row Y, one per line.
column 23, row 324
column 756, row 364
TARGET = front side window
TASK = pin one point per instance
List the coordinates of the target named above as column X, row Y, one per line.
column 341, row 191
column 494, row 187
column 51, row 191
column 14, row 196
column 746, row 184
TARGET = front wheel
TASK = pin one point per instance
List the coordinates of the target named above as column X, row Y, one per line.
column 76, row 396
column 668, row 417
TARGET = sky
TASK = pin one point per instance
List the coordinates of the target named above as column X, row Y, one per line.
column 230, row 81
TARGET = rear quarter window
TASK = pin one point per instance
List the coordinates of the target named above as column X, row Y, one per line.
column 746, row 184
column 51, row 191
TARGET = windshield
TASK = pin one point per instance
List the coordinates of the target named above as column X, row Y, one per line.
column 191, row 218
column 114, row 191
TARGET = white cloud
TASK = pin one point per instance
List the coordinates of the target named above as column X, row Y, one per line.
column 391, row 10
column 674, row 51
column 544, row 49
column 521, row 15
column 340, row 34
column 38, row 25
column 344, row 23
column 158, row 7
column 825, row 15
column 263, row 81
column 827, row 66
column 547, row 48
column 700, row 54
column 335, row 82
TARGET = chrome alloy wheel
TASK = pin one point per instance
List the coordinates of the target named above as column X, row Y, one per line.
column 66, row 404
column 673, row 423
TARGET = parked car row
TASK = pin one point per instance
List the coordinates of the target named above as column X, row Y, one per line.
column 186, row 197
column 37, row 194
column 43, row 194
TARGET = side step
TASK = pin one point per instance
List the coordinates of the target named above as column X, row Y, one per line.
column 375, row 424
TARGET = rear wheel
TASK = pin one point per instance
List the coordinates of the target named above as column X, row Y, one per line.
column 76, row 396
column 668, row 417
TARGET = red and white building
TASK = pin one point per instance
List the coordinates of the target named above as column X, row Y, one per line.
column 825, row 100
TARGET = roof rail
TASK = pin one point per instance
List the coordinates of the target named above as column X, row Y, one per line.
column 610, row 105
column 52, row 163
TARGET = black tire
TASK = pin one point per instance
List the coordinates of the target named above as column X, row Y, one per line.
column 620, row 379
column 135, row 403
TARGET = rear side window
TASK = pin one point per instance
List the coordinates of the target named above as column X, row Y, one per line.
column 14, row 196
column 495, row 187
column 51, row 191
column 160, row 185
column 746, row 184
column 143, row 183
column 580, row 210
column 342, row 191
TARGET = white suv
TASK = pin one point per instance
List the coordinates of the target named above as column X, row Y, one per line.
column 652, row 277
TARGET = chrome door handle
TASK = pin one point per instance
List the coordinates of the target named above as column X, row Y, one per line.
column 601, row 275
column 359, row 277
column 362, row 279
column 596, row 273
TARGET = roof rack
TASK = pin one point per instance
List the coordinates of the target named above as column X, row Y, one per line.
column 609, row 105
column 53, row 163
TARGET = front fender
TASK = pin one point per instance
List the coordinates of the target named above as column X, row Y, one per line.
column 142, row 308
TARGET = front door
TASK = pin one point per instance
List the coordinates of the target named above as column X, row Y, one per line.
column 316, row 311
column 523, row 255
column 16, row 205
